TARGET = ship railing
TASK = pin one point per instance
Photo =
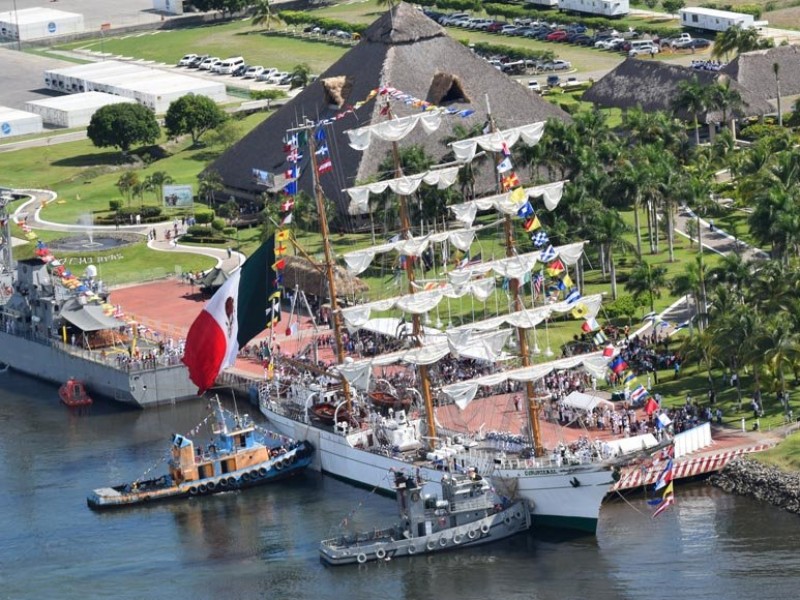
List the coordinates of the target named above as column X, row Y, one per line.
column 364, row 537
column 469, row 505
column 487, row 462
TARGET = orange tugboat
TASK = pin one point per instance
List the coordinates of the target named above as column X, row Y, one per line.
column 73, row 394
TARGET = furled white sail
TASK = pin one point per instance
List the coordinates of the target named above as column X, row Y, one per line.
column 493, row 142
column 403, row 186
column 515, row 267
column 504, row 203
column 394, row 130
column 358, row 261
column 463, row 392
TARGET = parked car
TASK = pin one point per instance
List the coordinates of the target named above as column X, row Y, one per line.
column 267, row 73
column 184, row 62
column 553, row 80
column 286, row 79
column 582, row 40
column 310, row 28
column 253, row 72
column 508, row 29
column 240, row 70
column 557, row 65
column 643, row 47
column 556, row 36
column 534, row 86
column 195, row 62
column 341, row 34
column 608, row 43
column 228, row 66
column 700, row 43
column 275, row 78
column 449, row 19
column 209, row 62
column 494, row 27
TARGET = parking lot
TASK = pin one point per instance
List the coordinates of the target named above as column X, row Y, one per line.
column 23, row 78
column 95, row 12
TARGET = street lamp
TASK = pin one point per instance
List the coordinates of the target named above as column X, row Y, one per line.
column 16, row 21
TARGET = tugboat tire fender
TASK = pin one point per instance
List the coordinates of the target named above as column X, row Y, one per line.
column 202, row 488
column 412, row 549
column 361, row 558
column 507, row 520
column 443, row 541
column 380, row 553
column 458, row 538
column 518, row 515
column 278, row 465
column 472, row 534
column 262, row 471
column 211, row 486
column 245, row 476
column 253, row 474
column 431, row 545
column 193, row 491
column 485, row 528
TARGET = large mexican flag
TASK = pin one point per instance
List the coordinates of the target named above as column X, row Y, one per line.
column 235, row 315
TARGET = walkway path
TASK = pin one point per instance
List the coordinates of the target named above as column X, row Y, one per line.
column 227, row 261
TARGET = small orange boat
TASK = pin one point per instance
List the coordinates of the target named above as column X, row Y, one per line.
column 73, row 394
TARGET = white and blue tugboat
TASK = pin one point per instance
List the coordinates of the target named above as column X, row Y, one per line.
column 235, row 459
column 465, row 515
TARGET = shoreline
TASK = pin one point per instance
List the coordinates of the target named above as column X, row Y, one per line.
column 747, row 477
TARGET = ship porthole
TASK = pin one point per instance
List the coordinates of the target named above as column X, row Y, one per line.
column 361, row 558
column 380, row 553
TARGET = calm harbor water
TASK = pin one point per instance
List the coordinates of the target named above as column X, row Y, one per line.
column 263, row 543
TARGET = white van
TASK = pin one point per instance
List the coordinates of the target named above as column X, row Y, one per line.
column 229, row 65
column 642, row 47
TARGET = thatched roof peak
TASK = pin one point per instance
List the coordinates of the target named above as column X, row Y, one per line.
column 402, row 24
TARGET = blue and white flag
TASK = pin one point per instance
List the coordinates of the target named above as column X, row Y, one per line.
column 322, row 150
column 539, row 239
column 526, row 210
column 505, row 165
column 547, row 254
column 573, row 296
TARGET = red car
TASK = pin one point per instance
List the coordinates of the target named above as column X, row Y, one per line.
column 557, row 36
column 495, row 27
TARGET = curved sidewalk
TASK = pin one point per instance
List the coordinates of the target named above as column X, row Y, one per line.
column 40, row 198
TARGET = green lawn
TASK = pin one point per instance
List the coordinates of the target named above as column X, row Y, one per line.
column 785, row 455
column 238, row 38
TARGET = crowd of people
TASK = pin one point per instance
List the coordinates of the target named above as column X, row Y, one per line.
column 707, row 65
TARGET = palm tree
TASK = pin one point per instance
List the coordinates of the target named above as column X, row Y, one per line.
column 646, row 279
column 300, row 75
column 702, row 348
column 691, row 282
column 125, row 184
column 609, row 232
column 262, row 13
column 693, row 98
column 726, row 99
column 210, row 183
column 776, row 68
column 783, row 349
column 159, row 179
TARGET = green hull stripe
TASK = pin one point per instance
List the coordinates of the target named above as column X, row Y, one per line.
column 559, row 522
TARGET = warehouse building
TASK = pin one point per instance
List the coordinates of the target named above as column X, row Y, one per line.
column 37, row 23
column 15, row 122
column 75, row 110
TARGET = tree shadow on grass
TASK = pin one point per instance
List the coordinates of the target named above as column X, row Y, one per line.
column 112, row 158
column 205, row 155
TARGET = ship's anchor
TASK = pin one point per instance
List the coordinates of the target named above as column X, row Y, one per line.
column 574, row 482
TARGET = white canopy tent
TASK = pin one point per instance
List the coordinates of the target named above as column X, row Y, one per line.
column 631, row 444
column 585, row 402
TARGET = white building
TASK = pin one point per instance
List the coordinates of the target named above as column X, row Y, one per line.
column 545, row 3
column 75, row 110
column 37, row 23
column 170, row 7
column 15, row 122
column 716, row 20
column 605, row 8
column 154, row 88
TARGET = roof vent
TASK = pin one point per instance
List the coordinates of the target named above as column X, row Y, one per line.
column 337, row 89
column 446, row 89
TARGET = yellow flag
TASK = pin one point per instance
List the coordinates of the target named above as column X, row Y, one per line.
column 271, row 370
column 282, row 236
column 518, row 195
column 580, row 311
column 567, row 282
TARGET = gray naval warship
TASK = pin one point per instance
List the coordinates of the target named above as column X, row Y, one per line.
column 55, row 330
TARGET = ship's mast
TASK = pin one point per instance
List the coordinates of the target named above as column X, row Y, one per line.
column 326, row 246
column 534, row 431
column 6, row 255
column 405, row 224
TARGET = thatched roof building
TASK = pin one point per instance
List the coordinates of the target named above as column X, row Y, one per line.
column 404, row 49
column 300, row 273
column 755, row 72
column 654, row 85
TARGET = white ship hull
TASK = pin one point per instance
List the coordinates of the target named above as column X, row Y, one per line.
column 552, row 493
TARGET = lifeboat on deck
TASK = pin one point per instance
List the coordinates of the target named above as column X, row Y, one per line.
column 73, row 393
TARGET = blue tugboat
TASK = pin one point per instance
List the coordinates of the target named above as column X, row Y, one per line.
column 235, row 459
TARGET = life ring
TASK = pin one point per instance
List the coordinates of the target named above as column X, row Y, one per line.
column 430, row 545
column 211, row 486
column 457, row 538
column 507, row 520
column 262, row 471
column 193, row 491
column 412, row 549
column 518, row 515
column 485, row 528
column 202, row 488
column 361, row 558
column 380, row 553
column 443, row 541
column 472, row 534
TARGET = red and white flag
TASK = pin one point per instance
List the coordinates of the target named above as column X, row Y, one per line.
column 325, row 166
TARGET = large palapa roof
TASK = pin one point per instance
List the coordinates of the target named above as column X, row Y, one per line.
column 654, row 85
column 755, row 71
column 410, row 52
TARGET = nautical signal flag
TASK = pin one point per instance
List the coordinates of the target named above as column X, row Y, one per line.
column 510, row 181
column 555, row 267
column 234, row 315
column 580, row 311
column 504, row 165
column 573, row 297
column 590, row 324
column 286, row 220
column 517, row 196
column 287, row 205
column 504, row 149
column 525, row 211
column 618, row 365
column 282, row 236
column 548, row 254
column 280, row 250
column 539, row 239
column 608, row 351
column 651, row 406
column 325, row 166
column 532, row 224
column 639, row 393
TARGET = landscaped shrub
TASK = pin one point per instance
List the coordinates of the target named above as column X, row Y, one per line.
column 114, row 205
column 218, row 225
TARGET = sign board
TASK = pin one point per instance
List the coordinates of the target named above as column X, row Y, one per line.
column 105, row 26
column 178, row 196
column 263, row 178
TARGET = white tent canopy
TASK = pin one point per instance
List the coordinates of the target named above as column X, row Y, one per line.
column 631, row 444
column 583, row 401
